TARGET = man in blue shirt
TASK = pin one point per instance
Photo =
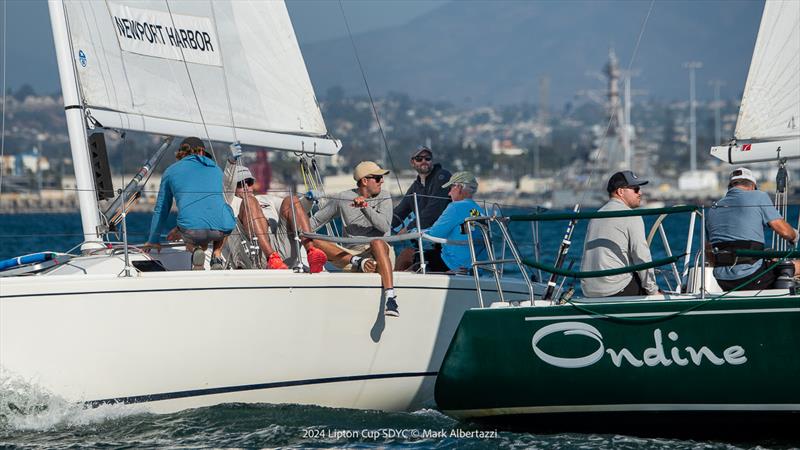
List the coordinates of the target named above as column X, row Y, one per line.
column 737, row 221
column 195, row 183
column 449, row 258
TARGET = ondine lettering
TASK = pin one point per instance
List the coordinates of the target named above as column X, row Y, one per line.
column 653, row 356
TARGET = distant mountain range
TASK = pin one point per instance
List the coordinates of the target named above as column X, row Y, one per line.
column 482, row 52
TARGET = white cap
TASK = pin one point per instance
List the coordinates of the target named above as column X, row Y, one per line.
column 242, row 173
column 743, row 173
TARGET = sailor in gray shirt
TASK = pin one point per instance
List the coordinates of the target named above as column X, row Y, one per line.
column 366, row 211
column 618, row 242
column 373, row 219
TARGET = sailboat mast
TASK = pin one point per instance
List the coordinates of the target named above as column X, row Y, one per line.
column 76, row 127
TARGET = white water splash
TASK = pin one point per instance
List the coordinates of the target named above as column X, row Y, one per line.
column 433, row 414
column 26, row 406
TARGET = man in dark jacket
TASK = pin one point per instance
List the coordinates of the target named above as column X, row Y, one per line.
column 432, row 198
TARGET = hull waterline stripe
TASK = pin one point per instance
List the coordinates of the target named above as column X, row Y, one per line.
column 668, row 313
column 655, row 407
column 237, row 288
column 253, row 387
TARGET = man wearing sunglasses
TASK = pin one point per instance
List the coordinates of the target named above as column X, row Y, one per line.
column 737, row 221
column 432, row 196
column 618, row 242
column 255, row 227
column 366, row 211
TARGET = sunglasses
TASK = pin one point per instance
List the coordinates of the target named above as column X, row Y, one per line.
column 633, row 188
column 377, row 178
column 422, row 158
column 248, row 181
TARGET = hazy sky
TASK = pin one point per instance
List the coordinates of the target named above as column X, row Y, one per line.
column 317, row 20
column 30, row 57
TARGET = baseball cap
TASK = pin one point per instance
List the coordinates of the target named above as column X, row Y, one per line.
column 242, row 173
column 466, row 178
column 743, row 173
column 193, row 143
column 624, row 179
column 421, row 149
column 366, row 168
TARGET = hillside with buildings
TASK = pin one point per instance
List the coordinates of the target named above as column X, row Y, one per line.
column 525, row 153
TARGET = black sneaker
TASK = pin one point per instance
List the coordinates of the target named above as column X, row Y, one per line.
column 217, row 263
column 391, row 307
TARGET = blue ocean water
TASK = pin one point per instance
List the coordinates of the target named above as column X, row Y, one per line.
column 295, row 426
column 30, row 418
column 28, row 233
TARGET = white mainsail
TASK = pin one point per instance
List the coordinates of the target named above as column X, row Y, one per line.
column 220, row 70
column 769, row 115
column 770, row 106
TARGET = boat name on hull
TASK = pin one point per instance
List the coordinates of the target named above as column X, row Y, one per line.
column 652, row 356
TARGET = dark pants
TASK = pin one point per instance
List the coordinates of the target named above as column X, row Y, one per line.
column 765, row 281
column 433, row 259
column 633, row 288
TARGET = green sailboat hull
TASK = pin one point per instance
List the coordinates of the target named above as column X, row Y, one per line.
column 636, row 360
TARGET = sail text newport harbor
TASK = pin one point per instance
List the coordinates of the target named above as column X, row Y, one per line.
column 652, row 356
column 154, row 33
column 163, row 34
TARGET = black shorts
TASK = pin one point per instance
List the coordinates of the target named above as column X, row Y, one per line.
column 765, row 281
column 433, row 260
column 633, row 288
column 201, row 238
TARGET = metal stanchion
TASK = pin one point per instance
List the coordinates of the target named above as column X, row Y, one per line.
column 468, row 224
column 703, row 253
column 422, row 264
column 298, row 265
column 127, row 270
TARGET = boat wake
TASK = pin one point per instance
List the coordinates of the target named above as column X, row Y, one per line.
column 26, row 406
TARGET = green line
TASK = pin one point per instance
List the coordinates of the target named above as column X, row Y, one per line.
column 602, row 273
column 602, row 214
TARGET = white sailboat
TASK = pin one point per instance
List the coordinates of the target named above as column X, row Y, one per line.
column 768, row 126
column 101, row 328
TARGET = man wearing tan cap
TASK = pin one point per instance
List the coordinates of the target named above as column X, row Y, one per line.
column 366, row 211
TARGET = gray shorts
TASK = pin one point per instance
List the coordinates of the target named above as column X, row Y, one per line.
column 201, row 238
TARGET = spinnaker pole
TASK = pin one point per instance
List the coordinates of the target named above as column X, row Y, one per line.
column 563, row 249
column 133, row 190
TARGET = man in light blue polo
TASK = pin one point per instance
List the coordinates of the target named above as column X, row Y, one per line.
column 195, row 183
column 737, row 221
column 449, row 257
